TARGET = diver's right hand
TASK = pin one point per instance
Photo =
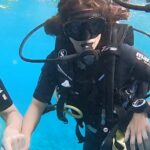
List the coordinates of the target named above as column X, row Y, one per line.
column 13, row 139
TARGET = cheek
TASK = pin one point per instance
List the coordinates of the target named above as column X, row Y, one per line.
column 95, row 44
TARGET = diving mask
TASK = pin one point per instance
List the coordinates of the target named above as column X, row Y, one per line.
column 84, row 29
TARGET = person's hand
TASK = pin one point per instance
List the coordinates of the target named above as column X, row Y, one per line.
column 138, row 131
column 12, row 139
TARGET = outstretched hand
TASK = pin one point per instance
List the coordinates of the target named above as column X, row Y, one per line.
column 138, row 132
column 12, row 139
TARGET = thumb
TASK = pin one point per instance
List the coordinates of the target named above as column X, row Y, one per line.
column 6, row 145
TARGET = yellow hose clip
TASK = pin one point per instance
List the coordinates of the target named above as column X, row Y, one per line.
column 68, row 108
column 79, row 114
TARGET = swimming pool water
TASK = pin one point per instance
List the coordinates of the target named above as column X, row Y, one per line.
column 20, row 77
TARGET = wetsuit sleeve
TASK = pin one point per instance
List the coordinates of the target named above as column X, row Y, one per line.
column 139, row 65
column 138, row 62
column 47, row 82
column 142, row 67
column 5, row 100
column 142, row 90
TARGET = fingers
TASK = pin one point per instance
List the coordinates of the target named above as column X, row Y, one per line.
column 127, row 135
column 27, row 143
column 18, row 143
column 14, row 143
column 146, row 138
column 22, row 142
column 140, row 138
column 135, row 139
column 141, row 146
column 7, row 145
column 132, row 142
column 130, row 135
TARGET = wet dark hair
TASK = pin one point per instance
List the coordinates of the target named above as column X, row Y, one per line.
column 66, row 7
column 54, row 26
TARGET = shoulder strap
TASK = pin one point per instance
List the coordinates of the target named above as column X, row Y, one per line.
column 124, row 34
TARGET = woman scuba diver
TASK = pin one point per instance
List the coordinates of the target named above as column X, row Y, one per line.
column 107, row 80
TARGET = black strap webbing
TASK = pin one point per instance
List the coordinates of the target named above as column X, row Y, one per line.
column 80, row 137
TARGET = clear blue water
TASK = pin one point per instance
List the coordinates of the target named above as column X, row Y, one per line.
column 20, row 77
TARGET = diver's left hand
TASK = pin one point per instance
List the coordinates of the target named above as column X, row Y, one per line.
column 12, row 139
column 138, row 131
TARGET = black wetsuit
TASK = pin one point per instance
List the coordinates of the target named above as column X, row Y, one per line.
column 5, row 100
column 87, row 87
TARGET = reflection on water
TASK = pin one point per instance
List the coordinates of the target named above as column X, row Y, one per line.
column 6, row 3
column 3, row 6
column 49, row 2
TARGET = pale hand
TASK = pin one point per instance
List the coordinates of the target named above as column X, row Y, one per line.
column 138, row 131
column 13, row 139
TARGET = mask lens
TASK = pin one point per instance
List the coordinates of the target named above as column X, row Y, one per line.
column 73, row 29
column 78, row 29
column 96, row 26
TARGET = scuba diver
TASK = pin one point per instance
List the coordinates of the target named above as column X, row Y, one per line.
column 13, row 139
column 99, row 73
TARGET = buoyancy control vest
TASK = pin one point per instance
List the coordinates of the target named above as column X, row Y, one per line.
column 124, row 35
column 67, row 93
